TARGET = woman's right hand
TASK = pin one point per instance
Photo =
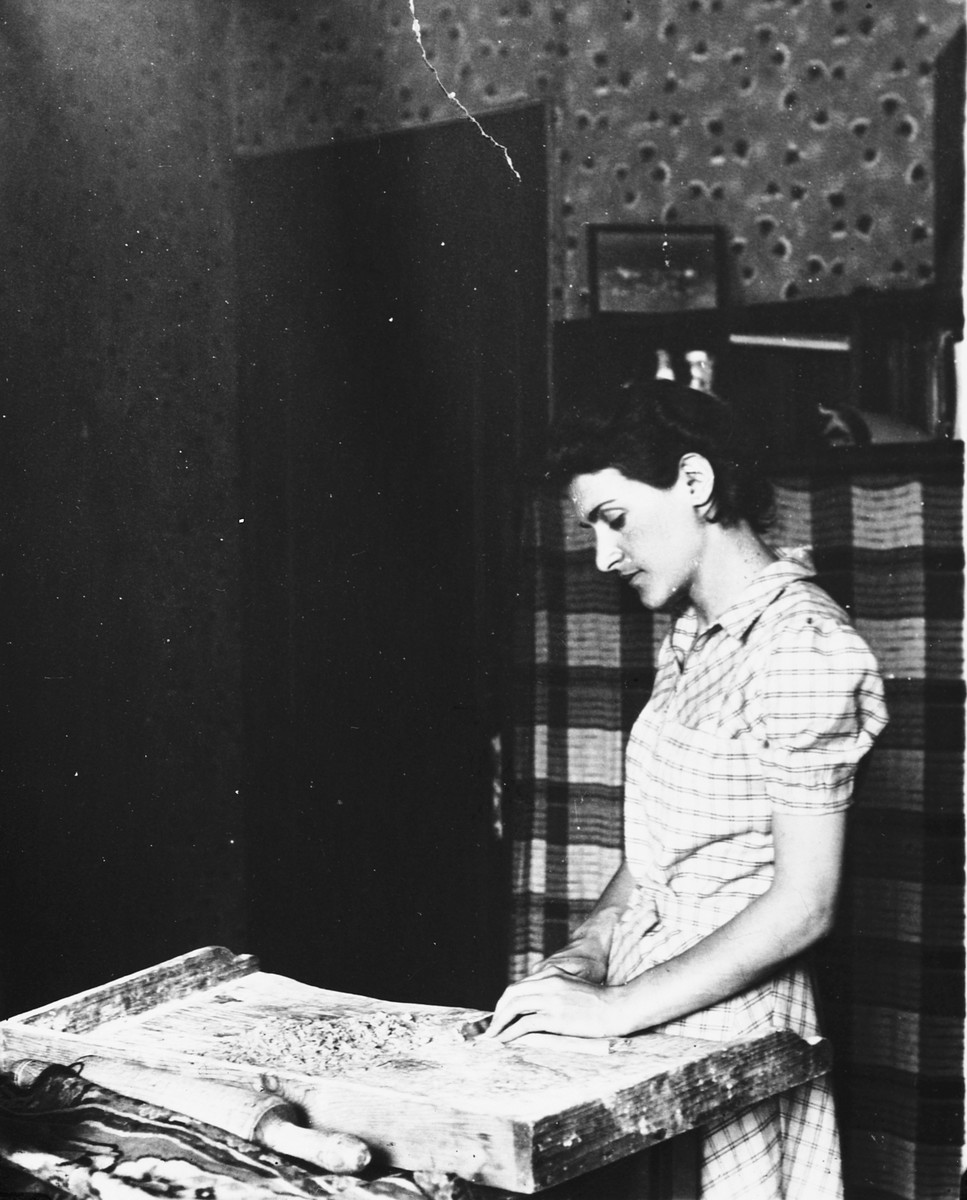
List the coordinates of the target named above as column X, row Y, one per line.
column 587, row 953
column 584, row 958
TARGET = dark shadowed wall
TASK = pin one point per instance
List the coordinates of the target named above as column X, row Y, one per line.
column 119, row 517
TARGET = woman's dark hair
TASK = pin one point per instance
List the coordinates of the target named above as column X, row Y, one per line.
column 643, row 430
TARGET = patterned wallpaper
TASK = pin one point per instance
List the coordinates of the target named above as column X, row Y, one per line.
column 803, row 127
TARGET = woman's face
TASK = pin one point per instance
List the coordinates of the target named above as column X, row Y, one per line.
column 653, row 537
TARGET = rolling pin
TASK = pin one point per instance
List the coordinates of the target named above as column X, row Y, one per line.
column 267, row 1119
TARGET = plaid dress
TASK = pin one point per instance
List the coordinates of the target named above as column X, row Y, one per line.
column 769, row 709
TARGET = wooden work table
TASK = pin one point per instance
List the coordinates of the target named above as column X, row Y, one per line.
column 444, row 1118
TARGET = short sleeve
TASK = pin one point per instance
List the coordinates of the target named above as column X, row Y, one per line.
column 822, row 706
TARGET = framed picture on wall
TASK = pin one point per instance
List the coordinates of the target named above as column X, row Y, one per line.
column 654, row 269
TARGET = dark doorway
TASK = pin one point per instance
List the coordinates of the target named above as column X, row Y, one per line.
column 392, row 376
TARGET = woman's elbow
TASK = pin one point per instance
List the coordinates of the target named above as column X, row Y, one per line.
column 811, row 918
column 822, row 921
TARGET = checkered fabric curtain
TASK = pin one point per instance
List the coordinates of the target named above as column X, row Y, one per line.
column 585, row 666
column 888, row 546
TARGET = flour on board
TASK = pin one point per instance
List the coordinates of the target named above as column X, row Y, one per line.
column 335, row 1044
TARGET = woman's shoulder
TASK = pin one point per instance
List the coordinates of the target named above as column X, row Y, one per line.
column 802, row 623
column 802, row 603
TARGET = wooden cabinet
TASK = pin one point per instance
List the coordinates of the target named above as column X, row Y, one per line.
column 393, row 342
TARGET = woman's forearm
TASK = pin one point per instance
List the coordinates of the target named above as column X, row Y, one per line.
column 569, row 994
column 729, row 960
column 795, row 912
column 600, row 922
column 588, row 950
column 774, row 928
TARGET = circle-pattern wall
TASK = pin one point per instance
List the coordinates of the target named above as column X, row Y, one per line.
column 804, row 127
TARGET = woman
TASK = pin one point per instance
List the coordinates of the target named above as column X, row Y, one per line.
column 739, row 772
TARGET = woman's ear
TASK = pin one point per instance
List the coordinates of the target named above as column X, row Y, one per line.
column 698, row 477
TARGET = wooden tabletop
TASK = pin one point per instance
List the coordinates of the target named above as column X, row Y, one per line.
column 523, row 1117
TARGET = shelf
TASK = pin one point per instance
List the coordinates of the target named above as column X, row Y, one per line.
column 883, row 360
column 941, row 457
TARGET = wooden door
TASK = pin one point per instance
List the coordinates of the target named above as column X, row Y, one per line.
column 392, row 372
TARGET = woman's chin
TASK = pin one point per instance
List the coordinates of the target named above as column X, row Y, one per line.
column 672, row 602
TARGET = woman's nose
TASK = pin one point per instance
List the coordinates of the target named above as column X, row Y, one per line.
column 607, row 555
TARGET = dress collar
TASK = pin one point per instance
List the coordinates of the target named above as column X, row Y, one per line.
column 793, row 564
